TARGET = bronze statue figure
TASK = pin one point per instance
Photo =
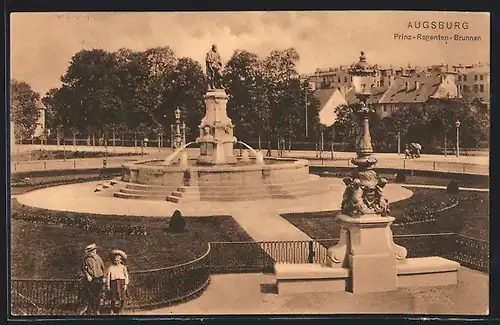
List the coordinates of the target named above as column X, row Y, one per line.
column 214, row 68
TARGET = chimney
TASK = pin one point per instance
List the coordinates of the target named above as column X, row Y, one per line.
column 417, row 84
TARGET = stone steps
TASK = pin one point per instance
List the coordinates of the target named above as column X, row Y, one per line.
column 122, row 195
column 314, row 185
column 147, row 193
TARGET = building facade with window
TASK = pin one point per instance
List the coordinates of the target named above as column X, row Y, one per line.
column 474, row 81
column 414, row 88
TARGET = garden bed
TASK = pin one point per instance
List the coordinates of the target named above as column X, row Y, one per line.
column 426, row 211
column 49, row 244
column 27, row 184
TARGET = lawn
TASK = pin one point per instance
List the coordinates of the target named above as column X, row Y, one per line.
column 417, row 214
column 48, row 244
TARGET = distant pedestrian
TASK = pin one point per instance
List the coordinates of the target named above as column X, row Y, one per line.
column 117, row 280
column 407, row 153
column 268, row 153
column 93, row 270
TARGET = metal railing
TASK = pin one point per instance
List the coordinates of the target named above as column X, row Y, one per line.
column 147, row 289
column 160, row 287
column 232, row 257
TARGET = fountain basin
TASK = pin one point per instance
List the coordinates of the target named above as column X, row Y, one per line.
column 277, row 177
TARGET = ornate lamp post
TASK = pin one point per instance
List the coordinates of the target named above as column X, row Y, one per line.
column 366, row 245
column 457, row 125
column 178, row 131
column 362, row 79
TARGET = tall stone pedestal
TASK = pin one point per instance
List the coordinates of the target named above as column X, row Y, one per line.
column 367, row 249
column 216, row 131
column 365, row 260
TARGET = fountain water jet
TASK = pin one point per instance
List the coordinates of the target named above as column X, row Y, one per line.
column 169, row 159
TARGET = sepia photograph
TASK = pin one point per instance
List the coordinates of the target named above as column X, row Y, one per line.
column 249, row 163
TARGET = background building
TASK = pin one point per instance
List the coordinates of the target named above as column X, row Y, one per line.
column 405, row 87
column 474, row 81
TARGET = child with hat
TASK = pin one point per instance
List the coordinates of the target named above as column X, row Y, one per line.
column 117, row 281
column 93, row 270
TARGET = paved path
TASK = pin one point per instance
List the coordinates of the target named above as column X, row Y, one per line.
column 255, row 294
column 261, row 218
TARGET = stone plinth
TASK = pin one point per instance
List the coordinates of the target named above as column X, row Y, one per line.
column 216, row 131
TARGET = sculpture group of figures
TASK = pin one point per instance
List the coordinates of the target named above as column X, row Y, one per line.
column 362, row 199
column 214, row 69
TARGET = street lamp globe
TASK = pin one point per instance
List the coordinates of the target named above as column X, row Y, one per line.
column 457, row 123
column 177, row 113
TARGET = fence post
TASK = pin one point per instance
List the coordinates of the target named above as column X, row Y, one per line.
column 463, row 168
column 74, row 163
column 434, row 165
column 310, row 256
column 44, row 165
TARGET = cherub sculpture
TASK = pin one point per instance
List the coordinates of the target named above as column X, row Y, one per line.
column 359, row 199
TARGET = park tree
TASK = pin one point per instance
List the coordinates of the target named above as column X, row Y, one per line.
column 248, row 106
column 346, row 126
column 60, row 116
column 92, row 83
column 150, row 100
column 441, row 116
column 24, row 109
column 52, row 115
column 283, row 87
column 187, row 89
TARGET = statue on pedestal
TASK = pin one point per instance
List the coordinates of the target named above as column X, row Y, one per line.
column 214, row 68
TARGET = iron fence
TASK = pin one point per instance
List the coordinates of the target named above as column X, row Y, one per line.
column 232, row 257
column 469, row 252
column 147, row 289
column 46, row 297
column 160, row 287
column 164, row 286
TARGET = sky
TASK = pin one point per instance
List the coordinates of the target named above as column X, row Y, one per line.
column 42, row 44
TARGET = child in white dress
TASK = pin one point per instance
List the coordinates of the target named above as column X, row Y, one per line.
column 117, row 281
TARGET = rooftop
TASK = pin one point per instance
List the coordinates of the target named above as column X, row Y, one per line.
column 421, row 86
